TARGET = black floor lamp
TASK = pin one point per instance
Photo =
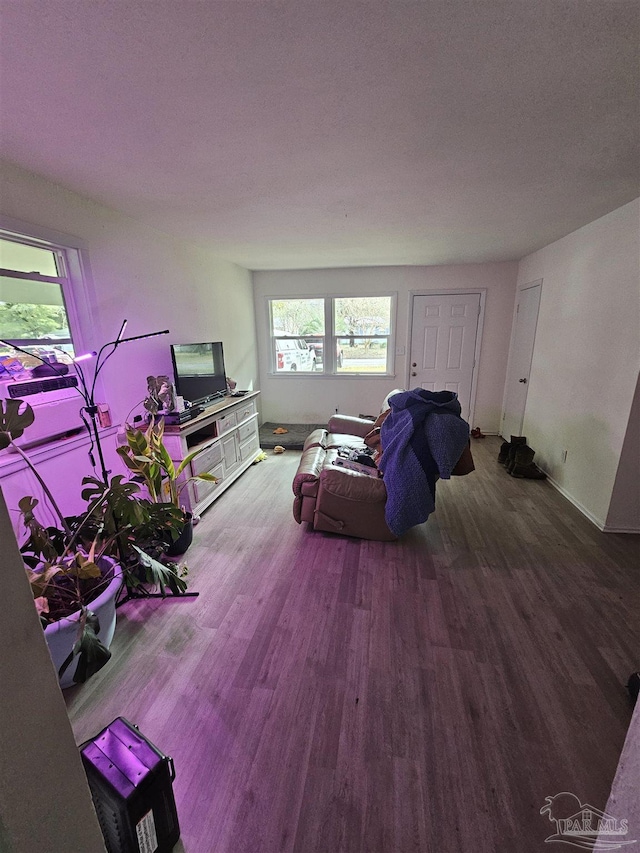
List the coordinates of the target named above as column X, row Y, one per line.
column 89, row 412
column 87, row 388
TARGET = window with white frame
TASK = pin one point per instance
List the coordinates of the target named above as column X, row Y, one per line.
column 338, row 335
column 35, row 290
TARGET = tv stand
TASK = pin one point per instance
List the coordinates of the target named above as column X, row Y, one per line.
column 226, row 433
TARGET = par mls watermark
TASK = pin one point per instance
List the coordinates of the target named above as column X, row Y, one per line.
column 584, row 826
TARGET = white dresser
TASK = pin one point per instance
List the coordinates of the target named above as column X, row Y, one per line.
column 226, row 434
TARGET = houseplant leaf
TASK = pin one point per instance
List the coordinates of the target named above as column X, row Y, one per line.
column 164, row 577
column 165, row 462
column 93, row 654
column 42, row 543
column 85, row 568
column 40, row 580
column 15, row 417
column 138, row 441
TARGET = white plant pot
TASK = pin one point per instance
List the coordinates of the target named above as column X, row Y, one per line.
column 61, row 636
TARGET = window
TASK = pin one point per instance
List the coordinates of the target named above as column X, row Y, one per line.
column 34, row 289
column 336, row 335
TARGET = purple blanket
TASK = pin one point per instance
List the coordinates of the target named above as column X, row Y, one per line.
column 422, row 438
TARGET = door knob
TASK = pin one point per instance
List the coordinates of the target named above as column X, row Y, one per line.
column 523, row 380
column 413, row 364
column 413, row 373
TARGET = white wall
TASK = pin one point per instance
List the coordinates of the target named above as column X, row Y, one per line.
column 289, row 398
column 587, row 355
column 624, row 509
column 140, row 274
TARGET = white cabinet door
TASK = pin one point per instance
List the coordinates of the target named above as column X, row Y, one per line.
column 230, row 452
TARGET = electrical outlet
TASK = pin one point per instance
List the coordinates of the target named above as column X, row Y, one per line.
column 564, row 455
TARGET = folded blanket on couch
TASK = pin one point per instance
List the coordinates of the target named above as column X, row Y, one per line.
column 423, row 437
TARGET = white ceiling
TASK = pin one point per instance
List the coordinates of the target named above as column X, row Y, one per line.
column 295, row 134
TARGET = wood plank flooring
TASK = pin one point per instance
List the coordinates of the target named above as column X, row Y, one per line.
column 329, row 695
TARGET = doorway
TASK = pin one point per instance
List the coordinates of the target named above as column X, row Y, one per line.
column 520, row 356
column 445, row 344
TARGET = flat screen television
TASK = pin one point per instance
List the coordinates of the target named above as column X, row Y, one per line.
column 199, row 371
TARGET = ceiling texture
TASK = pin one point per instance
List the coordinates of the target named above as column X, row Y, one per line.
column 287, row 134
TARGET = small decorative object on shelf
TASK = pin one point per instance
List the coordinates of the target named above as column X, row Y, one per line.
column 162, row 396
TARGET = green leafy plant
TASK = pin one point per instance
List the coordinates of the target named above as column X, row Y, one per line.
column 65, row 565
column 128, row 522
column 65, row 578
column 147, row 457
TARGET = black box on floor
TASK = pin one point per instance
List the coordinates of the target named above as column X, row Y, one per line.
column 131, row 785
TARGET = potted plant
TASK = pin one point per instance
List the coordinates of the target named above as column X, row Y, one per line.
column 147, row 457
column 140, row 532
column 77, row 569
column 74, row 590
column 65, row 578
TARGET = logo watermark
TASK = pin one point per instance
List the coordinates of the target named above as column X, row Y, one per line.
column 583, row 825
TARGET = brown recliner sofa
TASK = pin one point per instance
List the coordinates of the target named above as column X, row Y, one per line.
column 338, row 500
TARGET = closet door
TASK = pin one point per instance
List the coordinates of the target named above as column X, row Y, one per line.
column 520, row 356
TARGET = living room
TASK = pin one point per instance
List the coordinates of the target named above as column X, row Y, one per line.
column 203, row 258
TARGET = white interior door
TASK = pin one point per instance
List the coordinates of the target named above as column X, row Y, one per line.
column 524, row 335
column 444, row 333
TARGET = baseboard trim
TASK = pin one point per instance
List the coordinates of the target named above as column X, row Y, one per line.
column 608, row 528
column 602, row 526
column 587, row 514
